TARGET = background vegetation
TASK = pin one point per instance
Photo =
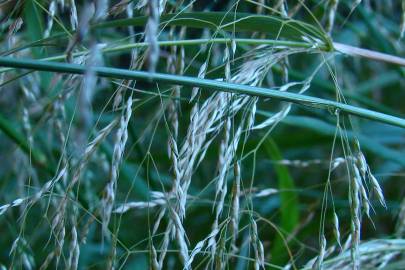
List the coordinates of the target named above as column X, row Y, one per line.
column 247, row 134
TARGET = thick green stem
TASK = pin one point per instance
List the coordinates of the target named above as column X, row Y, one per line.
column 204, row 83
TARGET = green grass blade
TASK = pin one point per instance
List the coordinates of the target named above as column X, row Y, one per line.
column 289, row 205
column 37, row 157
column 275, row 27
column 108, row 72
column 324, row 128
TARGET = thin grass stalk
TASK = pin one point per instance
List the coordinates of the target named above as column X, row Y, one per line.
column 205, row 83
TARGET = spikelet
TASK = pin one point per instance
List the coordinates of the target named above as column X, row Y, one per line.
column 319, row 261
column 402, row 25
column 151, row 34
column 74, row 250
column 201, row 75
column 235, row 204
column 257, row 246
column 12, row 30
column 336, row 230
column 101, row 11
column 52, row 11
column 355, row 211
column 74, row 21
column 34, row 198
column 86, row 95
column 373, row 254
column 119, row 147
column 332, row 9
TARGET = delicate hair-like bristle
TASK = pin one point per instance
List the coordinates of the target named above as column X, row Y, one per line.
column 34, row 198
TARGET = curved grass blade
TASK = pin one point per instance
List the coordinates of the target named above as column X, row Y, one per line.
column 109, row 72
column 275, row 27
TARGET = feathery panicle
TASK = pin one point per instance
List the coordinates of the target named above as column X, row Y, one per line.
column 158, row 199
column 34, row 198
column 151, row 34
column 101, row 9
column 319, row 261
column 74, row 250
column 336, row 230
column 119, row 147
column 373, row 254
column 235, row 203
column 201, row 74
column 257, row 246
column 281, row 5
column 12, row 31
column 402, row 25
column 52, row 12
column 27, row 126
column 181, row 171
column 332, row 7
column 74, row 21
column 355, row 211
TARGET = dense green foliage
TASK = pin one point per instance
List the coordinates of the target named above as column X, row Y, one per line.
column 170, row 134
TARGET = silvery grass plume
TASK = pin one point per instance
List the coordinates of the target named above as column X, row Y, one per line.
column 82, row 27
column 402, row 25
column 257, row 246
column 361, row 183
column 58, row 221
column 21, row 249
column 151, row 34
column 11, row 39
column 359, row 198
column 373, row 254
column 109, row 193
column 307, row 163
column 51, row 14
column 38, row 195
column 281, row 5
column 86, row 94
column 12, row 31
column 157, row 199
column 175, row 64
column 101, row 7
column 134, row 55
column 74, row 249
column 226, row 155
column 74, row 21
column 207, row 119
column 160, row 5
column 332, row 7
column 107, row 202
column 236, row 193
